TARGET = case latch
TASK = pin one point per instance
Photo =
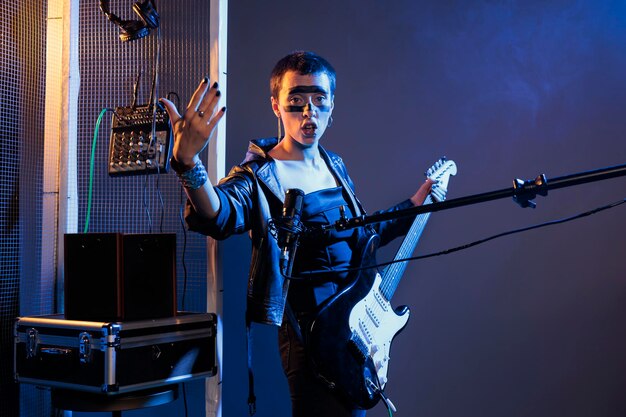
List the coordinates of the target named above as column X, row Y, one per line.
column 84, row 347
column 32, row 342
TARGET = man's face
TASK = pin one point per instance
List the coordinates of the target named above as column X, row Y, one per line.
column 305, row 105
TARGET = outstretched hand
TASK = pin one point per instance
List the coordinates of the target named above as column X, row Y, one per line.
column 194, row 128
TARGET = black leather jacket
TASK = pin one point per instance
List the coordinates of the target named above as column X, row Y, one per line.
column 250, row 196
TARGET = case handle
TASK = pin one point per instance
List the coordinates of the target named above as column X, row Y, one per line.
column 55, row 351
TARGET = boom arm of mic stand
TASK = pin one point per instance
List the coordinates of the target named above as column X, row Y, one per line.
column 522, row 192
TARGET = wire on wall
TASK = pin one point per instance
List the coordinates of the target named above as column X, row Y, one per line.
column 91, row 167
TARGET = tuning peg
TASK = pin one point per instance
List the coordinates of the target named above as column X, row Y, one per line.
column 439, row 194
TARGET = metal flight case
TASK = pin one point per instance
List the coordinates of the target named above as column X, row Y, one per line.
column 114, row 357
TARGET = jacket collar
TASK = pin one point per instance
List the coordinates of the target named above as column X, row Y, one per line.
column 258, row 151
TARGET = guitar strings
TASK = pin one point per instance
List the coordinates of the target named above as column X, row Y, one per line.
column 311, row 275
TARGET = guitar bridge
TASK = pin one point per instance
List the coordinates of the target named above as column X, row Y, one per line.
column 358, row 348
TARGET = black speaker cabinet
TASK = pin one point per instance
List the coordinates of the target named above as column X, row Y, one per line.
column 120, row 277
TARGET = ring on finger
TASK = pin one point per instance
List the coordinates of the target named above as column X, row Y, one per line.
column 200, row 113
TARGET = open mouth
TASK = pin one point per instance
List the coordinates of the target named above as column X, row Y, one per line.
column 309, row 129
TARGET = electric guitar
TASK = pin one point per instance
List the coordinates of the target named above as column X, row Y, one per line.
column 350, row 338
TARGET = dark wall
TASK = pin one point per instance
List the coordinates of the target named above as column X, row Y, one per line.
column 529, row 324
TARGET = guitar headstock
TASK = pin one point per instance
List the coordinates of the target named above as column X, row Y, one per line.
column 440, row 172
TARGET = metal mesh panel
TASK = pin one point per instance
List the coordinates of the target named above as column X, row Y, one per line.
column 22, row 71
column 140, row 204
column 108, row 70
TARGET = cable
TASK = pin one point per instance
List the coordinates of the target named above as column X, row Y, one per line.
column 153, row 142
column 185, row 399
column 145, row 204
column 91, row 164
column 182, row 223
column 387, row 402
column 162, row 203
column 376, row 388
column 153, row 95
column 133, row 104
column 306, row 274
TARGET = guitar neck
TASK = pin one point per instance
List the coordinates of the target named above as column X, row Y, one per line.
column 393, row 273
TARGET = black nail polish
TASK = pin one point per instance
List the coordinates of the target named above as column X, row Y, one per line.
column 205, row 80
column 224, row 109
column 215, row 84
column 219, row 93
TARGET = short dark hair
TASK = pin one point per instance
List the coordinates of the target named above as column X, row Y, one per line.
column 304, row 63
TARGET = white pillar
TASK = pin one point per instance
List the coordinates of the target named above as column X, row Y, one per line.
column 216, row 170
column 60, row 201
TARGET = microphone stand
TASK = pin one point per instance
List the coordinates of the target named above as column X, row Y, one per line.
column 523, row 192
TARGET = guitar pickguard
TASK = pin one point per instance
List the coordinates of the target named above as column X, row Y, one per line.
column 375, row 323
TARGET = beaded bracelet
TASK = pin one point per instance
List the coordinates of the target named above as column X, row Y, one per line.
column 193, row 178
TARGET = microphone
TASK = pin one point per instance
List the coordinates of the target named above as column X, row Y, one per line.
column 289, row 228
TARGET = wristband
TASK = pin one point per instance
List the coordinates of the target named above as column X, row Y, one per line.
column 193, row 178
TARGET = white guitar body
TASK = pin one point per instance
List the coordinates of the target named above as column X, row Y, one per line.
column 376, row 323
